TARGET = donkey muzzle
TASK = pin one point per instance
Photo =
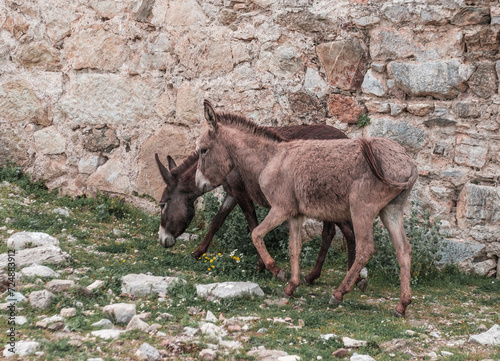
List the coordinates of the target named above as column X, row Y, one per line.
column 165, row 238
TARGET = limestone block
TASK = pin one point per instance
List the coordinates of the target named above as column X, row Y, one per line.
column 229, row 289
column 178, row 13
column 374, row 83
column 18, row 103
column 168, row 140
column 471, row 16
column 479, row 205
column 58, row 16
column 96, row 48
column 439, row 79
column 470, row 152
column 344, row 108
column 106, row 99
column 391, row 44
column 123, row 312
column 41, row 299
column 111, row 177
column 344, row 61
column 410, row 137
column 140, row 285
column 315, row 84
column 483, row 81
column 21, row 240
column 189, row 104
column 49, row 141
column 38, row 55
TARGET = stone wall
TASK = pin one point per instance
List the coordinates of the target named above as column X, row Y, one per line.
column 91, row 89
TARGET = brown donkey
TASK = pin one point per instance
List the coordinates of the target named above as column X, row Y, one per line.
column 180, row 193
column 329, row 180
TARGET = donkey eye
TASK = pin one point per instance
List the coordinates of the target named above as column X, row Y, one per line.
column 203, row 150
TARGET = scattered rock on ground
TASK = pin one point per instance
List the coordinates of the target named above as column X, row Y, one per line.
column 58, row 286
column 356, row 357
column 22, row 240
column 148, row 353
column 207, row 354
column 23, row 348
column 140, row 285
column 229, row 289
column 38, row 255
column 107, row 334
column 488, row 338
column 136, row 323
column 36, row 270
column 123, row 312
column 352, row 343
column 41, row 299
column 68, row 312
column 104, row 324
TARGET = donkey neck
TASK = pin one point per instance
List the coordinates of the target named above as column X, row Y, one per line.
column 250, row 153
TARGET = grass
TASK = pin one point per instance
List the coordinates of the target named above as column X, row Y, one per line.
column 107, row 238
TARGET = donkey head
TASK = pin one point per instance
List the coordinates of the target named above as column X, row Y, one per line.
column 214, row 163
column 176, row 204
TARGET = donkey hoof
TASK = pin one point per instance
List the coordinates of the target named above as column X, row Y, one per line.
column 397, row 314
column 285, row 295
column 305, row 281
column 195, row 256
column 334, row 301
column 281, row 275
column 362, row 285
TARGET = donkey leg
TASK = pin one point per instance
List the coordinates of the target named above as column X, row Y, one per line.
column 248, row 209
column 295, row 247
column 326, row 242
column 348, row 232
column 365, row 246
column 392, row 217
column 227, row 206
column 273, row 219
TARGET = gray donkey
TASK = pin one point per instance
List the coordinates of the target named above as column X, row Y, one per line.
column 329, row 180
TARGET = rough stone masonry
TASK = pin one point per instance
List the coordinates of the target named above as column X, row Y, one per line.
column 91, row 89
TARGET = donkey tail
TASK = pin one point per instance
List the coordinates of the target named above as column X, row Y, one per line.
column 373, row 163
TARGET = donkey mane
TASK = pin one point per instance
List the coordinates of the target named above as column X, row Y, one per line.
column 189, row 162
column 248, row 126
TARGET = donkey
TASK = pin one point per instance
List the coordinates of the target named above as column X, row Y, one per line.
column 180, row 193
column 329, row 180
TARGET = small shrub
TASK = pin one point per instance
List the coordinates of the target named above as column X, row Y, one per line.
column 426, row 239
column 363, row 120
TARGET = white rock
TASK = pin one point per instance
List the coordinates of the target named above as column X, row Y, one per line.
column 136, row 323
column 53, row 319
column 488, row 338
column 232, row 345
column 123, row 312
column 289, row 358
column 107, row 334
column 68, row 312
column 229, row 289
column 148, row 353
column 21, row 240
column 207, row 354
column 211, row 330
column 96, row 284
column 315, row 84
column 356, row 357
column 57, row 286
column 190, row 331
column 37, row 255
column 211, row 317
column 140, row 285
column 36, row 270
column 16, row 297
column 62, row 212
column 104, row 323
column 349, row 342
column 21, row 320
column 22, row 348
column 41, row 299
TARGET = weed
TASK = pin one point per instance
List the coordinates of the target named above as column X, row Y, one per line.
column 363, row 120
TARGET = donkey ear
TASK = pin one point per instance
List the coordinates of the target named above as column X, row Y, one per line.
column 165, row 174
column 171, row 163
column 210, row 115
